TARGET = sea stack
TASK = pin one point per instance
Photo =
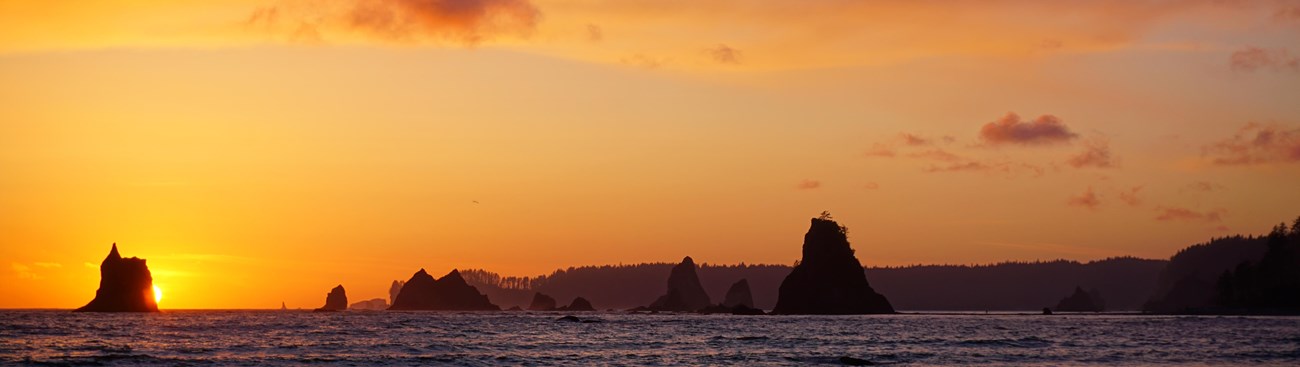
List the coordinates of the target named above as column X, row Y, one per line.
column 684, row 290
column 578, row 304
column 1081, row 301
column 451, row 293
column 393, row 290
column 336, row 300
column 542, row 302
column 125, row 285
column 739, row 295
column 829, row 280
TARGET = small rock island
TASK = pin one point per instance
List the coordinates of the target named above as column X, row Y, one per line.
column 542, row 302
column 1081, row 301
column 125, row 285
column 451, row 293
column 829, row 280
column 336, row 300
column 578, row 304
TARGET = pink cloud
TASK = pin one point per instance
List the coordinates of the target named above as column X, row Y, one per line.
column 807, row 184
column 1185, row 214
column 1204, row 186
column 1257, row 144
column 937, row 155
column 466, row 21
column 1251, row 59
column 725, row 54
column 1009, row 129
column 913, row 140
column 1096, row 153
column 1088, row 199
column 871, row 186
column 1130, row 196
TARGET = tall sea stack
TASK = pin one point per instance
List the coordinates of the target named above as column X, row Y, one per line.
column 451, row 293
column 829, row 280
column 684, row 290
column 125, row 285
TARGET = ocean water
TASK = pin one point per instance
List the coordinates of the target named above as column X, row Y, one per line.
column 271, row 338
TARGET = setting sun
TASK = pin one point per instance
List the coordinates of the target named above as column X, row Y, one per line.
column 157, row 294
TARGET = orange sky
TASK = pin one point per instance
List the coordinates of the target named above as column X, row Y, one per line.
column 263, row 151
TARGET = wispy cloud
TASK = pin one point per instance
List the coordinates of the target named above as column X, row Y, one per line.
column 1204, row 186
column 808, row 184
column 1257, row 144
column 1130, row 196
column 1096, row 153
column 724, row 54
column 1252, row 59
column 467, row 22
column 1088, row 199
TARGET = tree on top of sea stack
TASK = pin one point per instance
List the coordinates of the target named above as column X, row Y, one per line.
column 125, row 285
column 829, row 280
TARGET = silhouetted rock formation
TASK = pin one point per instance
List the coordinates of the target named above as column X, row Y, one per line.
column 374, row 304
column 393, row 290
column 738, row 295
column 1127, row 283
column 684, row 290
column 1187, row 283
column 336, row 300
column 1047, row 311
column 1269, row 286
column 578, row 304
column 450, row 293
column 125, row 285
column 542, row 302
column 829, row 279
column 1081, row 301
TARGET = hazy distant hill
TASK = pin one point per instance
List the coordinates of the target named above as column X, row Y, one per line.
column 1188, row 282
column 1125, row 283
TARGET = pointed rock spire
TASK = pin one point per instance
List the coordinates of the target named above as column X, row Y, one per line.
column 684, row 290
column 125, row 285
column 113, row 254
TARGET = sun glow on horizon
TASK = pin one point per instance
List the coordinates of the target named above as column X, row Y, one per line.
column 157, row 294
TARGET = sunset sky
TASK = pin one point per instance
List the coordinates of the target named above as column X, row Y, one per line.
column 259, row 151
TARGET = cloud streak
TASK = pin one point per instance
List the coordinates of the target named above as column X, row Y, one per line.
column 1165, row 214
column 1251, row 59
column 467, row 22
